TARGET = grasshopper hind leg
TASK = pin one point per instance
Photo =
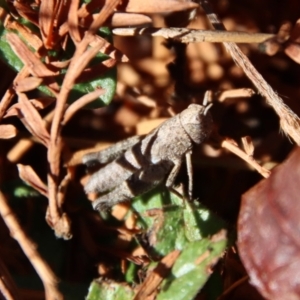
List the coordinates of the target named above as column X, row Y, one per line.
column 137, row 184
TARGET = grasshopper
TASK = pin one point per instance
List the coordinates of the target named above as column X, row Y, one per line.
column 138, row 164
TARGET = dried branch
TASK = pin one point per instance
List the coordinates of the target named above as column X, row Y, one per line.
column 73, row 22
column 42, row 268
column 289, row 121
column 81, row 102
column 232, row 147
column 235, row 93
column 81, row 58
column 105, row 12
column 185, row 35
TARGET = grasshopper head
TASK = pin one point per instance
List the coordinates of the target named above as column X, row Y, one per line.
column 197, row 122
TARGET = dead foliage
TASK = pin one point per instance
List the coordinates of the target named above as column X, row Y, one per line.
column 160, row 71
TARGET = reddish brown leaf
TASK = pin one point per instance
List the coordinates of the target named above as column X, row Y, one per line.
column 39, row 103
column 33, row 120
column 293, row 46
column 268, row 232
column 293, row 51
column 8, row 131
column 73, row 22
column 107, row 10
column 27, row 84
column 30, row 37
column 25, row 10
column 159, row 6
column 81, row 102
column 155, row 278
column 51, row 13
column 27, row 174
column 29, row 59
column 120, row 19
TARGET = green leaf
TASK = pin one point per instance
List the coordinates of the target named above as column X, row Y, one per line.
column 100, row 290
column 6, row 53
column 172, row 223
column 192, row 268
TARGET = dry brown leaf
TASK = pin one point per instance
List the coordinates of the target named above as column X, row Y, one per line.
column 81, row 102
column 293, row 51
column 29, row 59
column 110, row 50
column 27, row 84
column 73, row 22
column 120, row 19
column 34, row 122
column 107, row 10
column 27, row 174
column 30, row 37
column 7, row 131
column 154, row 279
column 293, row 46
column 51, row 13
column 26, row 11
column 10, row 92
column 268, row 232
column 39, row 103
column 60, row 64
column 158, row 6
column 81, row 60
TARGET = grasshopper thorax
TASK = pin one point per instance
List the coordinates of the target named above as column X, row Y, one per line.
column 197, row 122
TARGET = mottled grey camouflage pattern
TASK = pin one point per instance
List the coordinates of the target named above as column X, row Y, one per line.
column 138, row 164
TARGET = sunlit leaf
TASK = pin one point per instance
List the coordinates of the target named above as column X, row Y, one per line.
column 172, row 223
column 107, row 290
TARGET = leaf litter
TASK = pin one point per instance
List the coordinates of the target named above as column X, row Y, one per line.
column 157, row 229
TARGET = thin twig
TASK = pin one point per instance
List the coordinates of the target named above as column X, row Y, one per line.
column 105, row 12
column 185, row 35
column 81, row 58
column 289, row 121
column 231, row 146
column 235, row 93
column 233, row 287
column 42, row 268
column 81, row 102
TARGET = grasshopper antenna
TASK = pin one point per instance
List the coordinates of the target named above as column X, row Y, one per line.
column 207, row 108
column 207, row 98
